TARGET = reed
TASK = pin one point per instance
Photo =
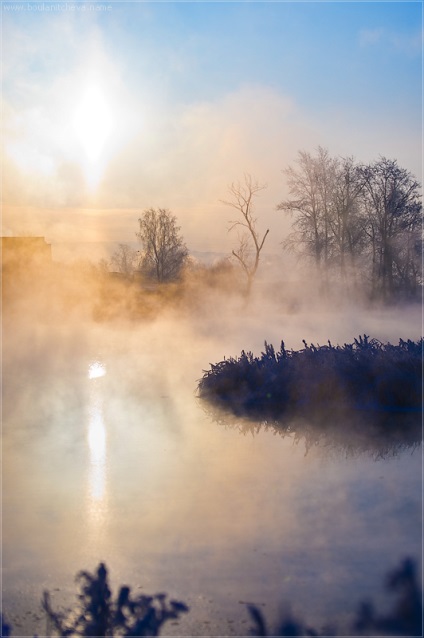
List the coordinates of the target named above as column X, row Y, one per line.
column 364, row 375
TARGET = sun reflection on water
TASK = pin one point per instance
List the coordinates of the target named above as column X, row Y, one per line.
column 97, row 447
column 96, row 370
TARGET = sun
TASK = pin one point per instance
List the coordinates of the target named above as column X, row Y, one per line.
column 93, row 123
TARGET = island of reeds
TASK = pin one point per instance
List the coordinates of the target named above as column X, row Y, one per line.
column 366, row 375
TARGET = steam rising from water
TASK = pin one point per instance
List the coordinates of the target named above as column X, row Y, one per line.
column 126, row 467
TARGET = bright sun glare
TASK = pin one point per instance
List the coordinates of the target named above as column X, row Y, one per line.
column 93, row 122
column 96, row 370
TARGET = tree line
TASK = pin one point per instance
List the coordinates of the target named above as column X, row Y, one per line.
column 357, row 219
column 360, row 223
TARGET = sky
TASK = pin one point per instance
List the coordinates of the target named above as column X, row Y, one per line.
column 109, row 108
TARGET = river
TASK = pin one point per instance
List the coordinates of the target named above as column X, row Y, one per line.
column 109, row 456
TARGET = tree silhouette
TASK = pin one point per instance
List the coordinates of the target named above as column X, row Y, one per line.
column 250, row 243
column 164, row 252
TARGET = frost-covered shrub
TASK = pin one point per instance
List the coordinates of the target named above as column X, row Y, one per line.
column 365, row 375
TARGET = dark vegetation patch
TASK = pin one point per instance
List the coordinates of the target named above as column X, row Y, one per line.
column 404, row 619
column 97, row 613
column 365, row 376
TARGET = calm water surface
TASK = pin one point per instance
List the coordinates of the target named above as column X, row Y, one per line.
column 108, row 456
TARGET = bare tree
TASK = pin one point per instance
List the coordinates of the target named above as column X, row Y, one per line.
column 327, row 204
column 394, row 225
column 164, row 253
column 347, row 220
column 124, row 260
column 250, row 243
column 311, row 186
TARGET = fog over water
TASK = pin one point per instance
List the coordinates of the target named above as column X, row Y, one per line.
column 109, row 455
column 111, row 113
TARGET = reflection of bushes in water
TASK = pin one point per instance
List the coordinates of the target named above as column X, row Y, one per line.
column 365, row 375
column 381, row 435
column 96, row 614
column 405, row 618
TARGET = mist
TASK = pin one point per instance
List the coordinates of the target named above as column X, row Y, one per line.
column 109, row 454
column 112, row 110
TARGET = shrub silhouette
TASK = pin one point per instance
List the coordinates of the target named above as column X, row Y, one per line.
column 405, row 619
column 98, row 614
column 364, row 375
column 5, row 627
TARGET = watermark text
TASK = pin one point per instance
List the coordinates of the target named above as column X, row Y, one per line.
column 56, row 7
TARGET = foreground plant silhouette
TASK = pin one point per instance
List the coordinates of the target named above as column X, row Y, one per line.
column 404, row 619
column 97, row 614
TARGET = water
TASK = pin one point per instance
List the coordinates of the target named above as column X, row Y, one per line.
column 108, row 456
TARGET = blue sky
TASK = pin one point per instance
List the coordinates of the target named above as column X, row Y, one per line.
column 306, row 49
column 199, row 93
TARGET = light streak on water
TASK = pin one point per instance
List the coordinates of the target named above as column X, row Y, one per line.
column 96, row 370
column 96, row 438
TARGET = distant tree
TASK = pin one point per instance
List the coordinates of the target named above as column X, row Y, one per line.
column 124, row 260
column 393, row 211
column 311, row 186
column 364, row 218
column 250, row 243
column 164, row 251
column 346, row 220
